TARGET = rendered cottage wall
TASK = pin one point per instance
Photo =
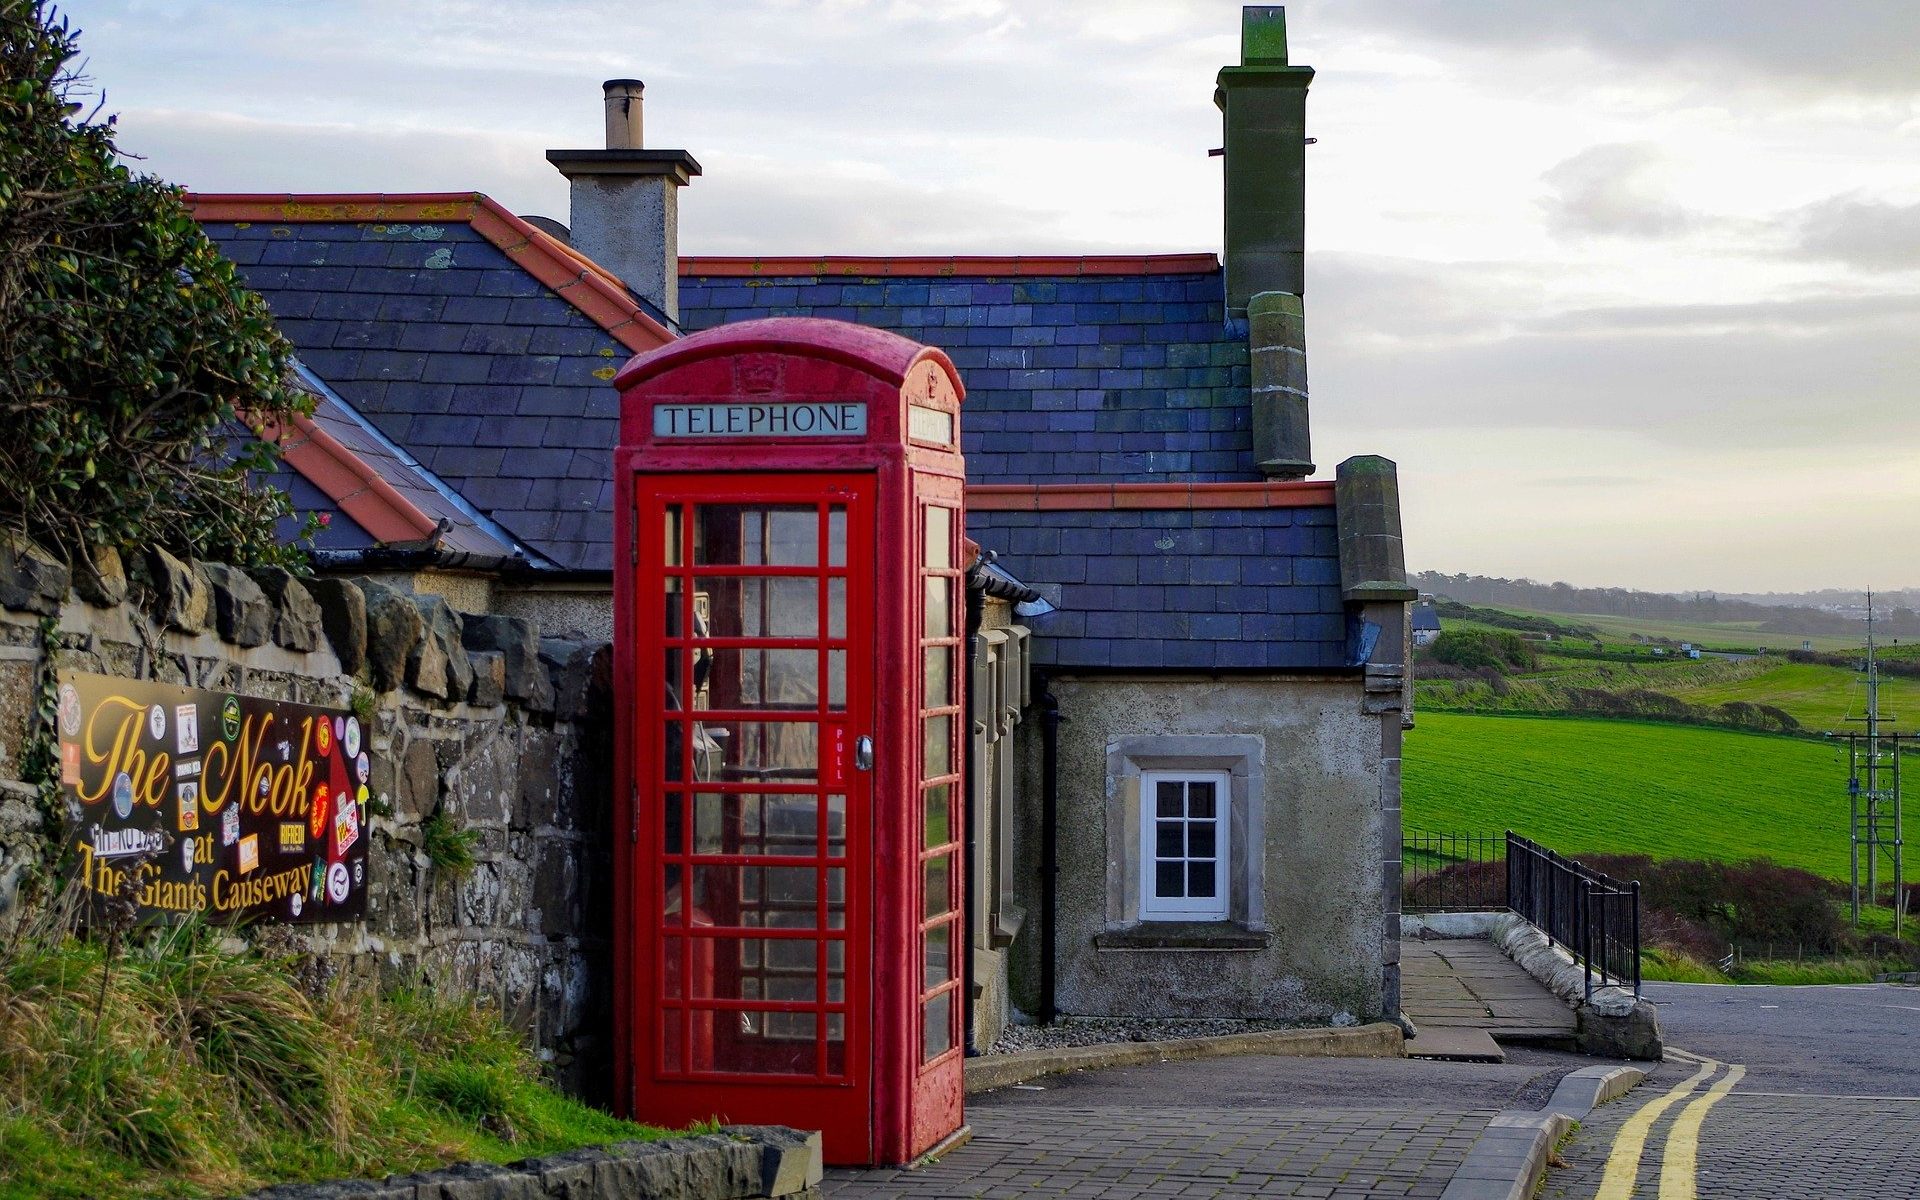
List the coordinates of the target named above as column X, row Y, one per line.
column 1320, row 837
column 475, row 718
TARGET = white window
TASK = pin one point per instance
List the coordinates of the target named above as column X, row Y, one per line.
column 1184, row 858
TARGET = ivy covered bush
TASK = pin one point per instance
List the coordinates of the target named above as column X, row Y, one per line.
column 131, row 355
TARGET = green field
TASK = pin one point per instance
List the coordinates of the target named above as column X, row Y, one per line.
column 1819, row 697
column 1623, row 787
column 1727, row 635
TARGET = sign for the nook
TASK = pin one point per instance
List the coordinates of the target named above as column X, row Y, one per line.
column 198, row 801
column 829, row 419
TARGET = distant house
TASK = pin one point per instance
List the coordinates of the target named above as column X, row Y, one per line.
column 1426, row 624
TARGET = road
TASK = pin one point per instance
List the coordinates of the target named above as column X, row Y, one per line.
column 1768, row 1091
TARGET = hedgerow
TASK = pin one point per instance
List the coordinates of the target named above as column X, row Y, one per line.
column 131, row 355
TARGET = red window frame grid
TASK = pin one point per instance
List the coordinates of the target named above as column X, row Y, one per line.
column 950, row 779
column 828, row 780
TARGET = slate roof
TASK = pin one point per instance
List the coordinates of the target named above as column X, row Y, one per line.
column 1425, row 618
column 461, row 529
column 1137, row 376
column 492, row 380
column 1200, row 588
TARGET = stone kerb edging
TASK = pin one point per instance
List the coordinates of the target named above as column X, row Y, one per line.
column 741, row 1162
column 1381, row 1039
column 1511, row 1156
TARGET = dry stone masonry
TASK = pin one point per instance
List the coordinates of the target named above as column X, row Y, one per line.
column 481, row 730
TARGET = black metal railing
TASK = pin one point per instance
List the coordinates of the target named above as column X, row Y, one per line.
column 1594, row 916
column 1441, row 872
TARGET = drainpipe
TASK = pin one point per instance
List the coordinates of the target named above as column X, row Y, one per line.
column 970, row 788
column 1050, row 719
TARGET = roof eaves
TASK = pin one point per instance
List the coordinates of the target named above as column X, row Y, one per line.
column 1094, row 497
column 348, row 481
column 998, row 266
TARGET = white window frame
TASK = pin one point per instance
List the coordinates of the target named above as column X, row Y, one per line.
column 1210, row 908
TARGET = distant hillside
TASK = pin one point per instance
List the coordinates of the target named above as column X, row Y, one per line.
column 1699, row 607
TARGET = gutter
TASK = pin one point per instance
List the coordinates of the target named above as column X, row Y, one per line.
column 1050, row 719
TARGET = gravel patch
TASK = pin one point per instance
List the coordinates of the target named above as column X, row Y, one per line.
column 1103, row 1031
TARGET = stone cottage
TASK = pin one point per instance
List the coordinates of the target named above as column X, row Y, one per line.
column 1188, row 655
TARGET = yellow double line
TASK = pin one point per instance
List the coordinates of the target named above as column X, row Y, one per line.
column 1679, row 1166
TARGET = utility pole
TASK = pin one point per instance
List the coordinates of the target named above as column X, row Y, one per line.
column 1872, row 808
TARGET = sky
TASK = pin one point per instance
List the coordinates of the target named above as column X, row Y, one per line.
column 1629, row 290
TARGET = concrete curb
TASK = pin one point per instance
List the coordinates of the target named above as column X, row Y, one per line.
column 1381, row 1039
column 1510, row 1158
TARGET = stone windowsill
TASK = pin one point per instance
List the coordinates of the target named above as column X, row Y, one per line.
column 1183, row 935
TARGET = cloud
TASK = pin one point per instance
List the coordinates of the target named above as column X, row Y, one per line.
column 1868, row 234
column 1613, row 190
column 1861, row 46
column 1404, row 345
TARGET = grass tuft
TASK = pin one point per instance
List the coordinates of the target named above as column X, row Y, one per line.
column 184, row 1067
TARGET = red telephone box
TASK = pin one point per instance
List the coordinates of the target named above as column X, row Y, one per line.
column 788, row 641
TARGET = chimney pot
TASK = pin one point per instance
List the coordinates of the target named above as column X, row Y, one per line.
column 623, row 113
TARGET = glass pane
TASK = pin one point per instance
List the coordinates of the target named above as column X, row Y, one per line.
column 754, row 678
column 836, row 972
column 673, row 750
column 1200, row 879
column 837, row 679
column 1167, row 798
column 938, row 825
column 939, row 539
column 750, row 751
column 836, row 608
column 756, row 897
column 937, row 666
column 1200, row 798
column 937, row 964
column 670, row 1041
column 936, row 747
column 673, row 951
column 836, row 826
column 750, row 606
column 939, row 610
column 670, row 895
column 672, row 839
column 1166, row 881
column 837, row 536
column 670, row 540
column 756, row 535
column 938, row 1026
column 674, row 660
column 1166, row 842
column 936, row 877
column 754, row 1043
column 674, row 604
column 1200, row 839
column 755, row 823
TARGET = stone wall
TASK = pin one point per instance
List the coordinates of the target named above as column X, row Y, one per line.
column 476, row 718
column 1302, row 941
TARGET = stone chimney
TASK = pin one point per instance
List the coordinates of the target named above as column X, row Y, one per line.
column 624, row 212
column 1263, row 105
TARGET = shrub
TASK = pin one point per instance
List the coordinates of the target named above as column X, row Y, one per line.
column 129, row 348
column 1479, row 648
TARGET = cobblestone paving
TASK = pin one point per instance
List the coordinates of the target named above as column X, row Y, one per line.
column 1117, row 1153
column 1761, row 1145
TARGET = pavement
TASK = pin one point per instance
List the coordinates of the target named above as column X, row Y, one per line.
column 1462, row 993
column 1767, row 1091
column 1256, row 1126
